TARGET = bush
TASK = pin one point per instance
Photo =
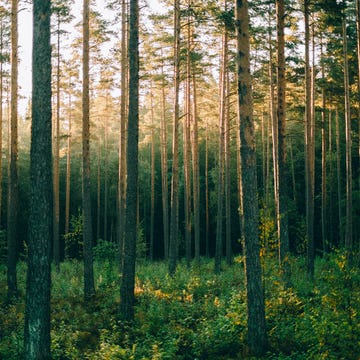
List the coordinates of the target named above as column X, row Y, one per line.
column 105, row 251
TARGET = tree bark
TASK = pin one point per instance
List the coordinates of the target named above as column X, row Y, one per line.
column 37, row 312
column 324, row 219
column 127, row 296
column 56, row 149
column 257, row 339
column 338, row 175
column 68, row 165
column 282, row 220
column 220, row 184
column 174, row 201
column 123, row 125
column 348, row 141
column 12, row 206
column 89, row 288
column 152, row 184
column 164, row 167
column 309, row 198
column 187, row 150
column 196, row 173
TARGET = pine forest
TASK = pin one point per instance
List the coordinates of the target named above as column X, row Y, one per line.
column 179, row 179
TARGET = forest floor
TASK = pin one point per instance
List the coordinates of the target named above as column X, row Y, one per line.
column 195, row 314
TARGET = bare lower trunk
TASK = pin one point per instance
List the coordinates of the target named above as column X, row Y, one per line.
column 89, row 287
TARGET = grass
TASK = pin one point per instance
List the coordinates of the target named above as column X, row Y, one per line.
column 195, row 314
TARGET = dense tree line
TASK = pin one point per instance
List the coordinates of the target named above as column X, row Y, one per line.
column 191, row 132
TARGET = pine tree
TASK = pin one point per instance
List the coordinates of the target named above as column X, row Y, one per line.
column 37, row 314
column 257, row 339
column 127, row 296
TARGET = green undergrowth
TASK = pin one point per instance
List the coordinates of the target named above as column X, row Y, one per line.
column 195, row 314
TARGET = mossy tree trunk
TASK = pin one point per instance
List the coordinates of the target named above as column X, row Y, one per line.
column 37, row 313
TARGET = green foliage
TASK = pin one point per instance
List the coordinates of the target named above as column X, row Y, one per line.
column 73, row 239
column 105, row 250
column 194, row 314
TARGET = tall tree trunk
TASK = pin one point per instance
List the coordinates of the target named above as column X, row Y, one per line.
column 187, row 149
column 164, row 167
column 122, row 139
column 274, row 126
column 152, row 184
column 323, row 163
column 348, row 140
column 227, row 178
column 331, row 228
column 257, row 339
column 106, row 173
column 89, row 288
column 239, row 182
column 127, row 296
column 12, row 206
column 196, row 174
column 98, row 192
column 220, row 185
column 309, row 199
column 338, row 175
column 207, row 217
column 37, row 312
column 56, row 149
column 282, row 220
column 68, row 166
column 293, row 176
column 174, row 201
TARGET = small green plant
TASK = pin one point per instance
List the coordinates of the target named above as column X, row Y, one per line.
column 105, row 251
column 73, row 239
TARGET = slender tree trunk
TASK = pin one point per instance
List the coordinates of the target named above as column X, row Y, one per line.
column 98, row 188
column 196, row 174
column 257, row 339
column 331, row 176
column 152, row 185
column 164, row 167
column 323, row 164
column 283, row 231
column 56, row 149
column 187, row 150
column 207, row 220
column 174, row 220
column 293, row 176
column 12, row 208
column 263, row 153
column 68, row 167
column 127, row 296
column 348, row 140
column 227, row 178
column 122, row 139
column 274, row 126
column 220, row 185
column 106, row 175
column 37, row 312
column 309, row 200
column 89, row 288
column 338, row 172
